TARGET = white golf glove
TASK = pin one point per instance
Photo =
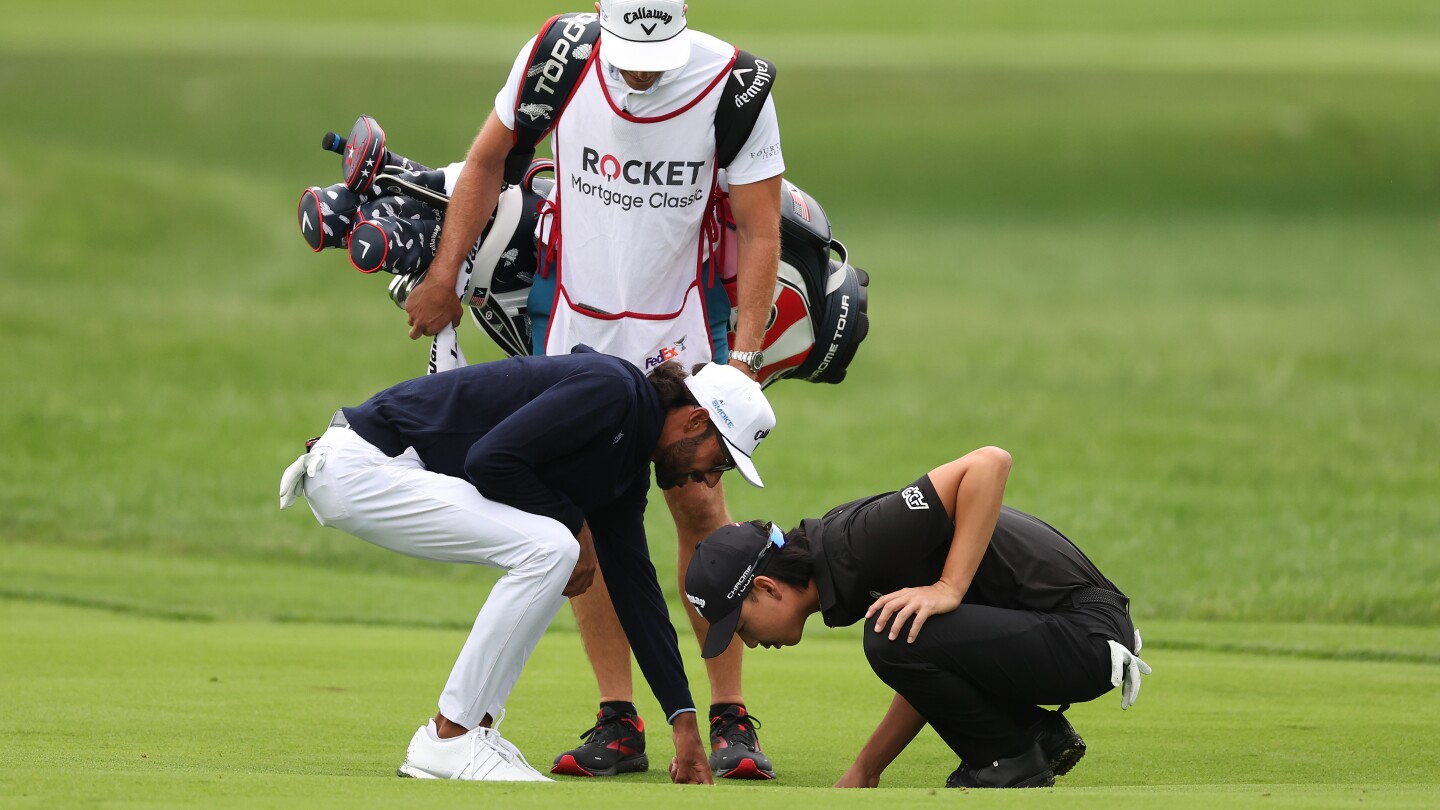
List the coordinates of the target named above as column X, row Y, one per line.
column 1125, row 671
column 292, row 482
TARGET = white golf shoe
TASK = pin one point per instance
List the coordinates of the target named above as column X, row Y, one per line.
column 479, row 755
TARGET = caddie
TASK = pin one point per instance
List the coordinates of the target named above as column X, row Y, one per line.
column 538, row 466
column 976, row 614
column 632, row 264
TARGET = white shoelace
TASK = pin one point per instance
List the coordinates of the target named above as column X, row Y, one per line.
column 479, row 748
column 507, row 751
column 515, row 755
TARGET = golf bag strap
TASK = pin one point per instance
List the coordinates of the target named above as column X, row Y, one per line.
column 563, row 49
column 741, row 105
column 735, row 118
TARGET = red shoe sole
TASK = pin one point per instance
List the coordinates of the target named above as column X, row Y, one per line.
column 569, row 767
column 747, row 769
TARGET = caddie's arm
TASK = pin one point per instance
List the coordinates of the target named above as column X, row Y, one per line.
column 971, row 488
column 756, row 208
column 433, row 304
column 899, row 726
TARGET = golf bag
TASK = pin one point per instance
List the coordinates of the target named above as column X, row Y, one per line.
column 392, row 221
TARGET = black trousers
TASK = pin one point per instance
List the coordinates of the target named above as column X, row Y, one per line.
column 977, row 674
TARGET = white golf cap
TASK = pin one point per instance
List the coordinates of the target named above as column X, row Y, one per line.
column 646, row 36
column 738, row 408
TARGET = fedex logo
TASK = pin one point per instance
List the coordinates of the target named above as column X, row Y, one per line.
column 665, row 353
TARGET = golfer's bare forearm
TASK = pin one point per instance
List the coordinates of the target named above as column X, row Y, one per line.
column 899, row 726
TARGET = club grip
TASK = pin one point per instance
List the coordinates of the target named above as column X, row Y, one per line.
column 333, row 143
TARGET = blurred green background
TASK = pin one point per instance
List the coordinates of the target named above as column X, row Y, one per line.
column 1180, row 259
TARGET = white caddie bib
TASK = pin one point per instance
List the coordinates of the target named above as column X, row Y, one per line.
column 632, row 194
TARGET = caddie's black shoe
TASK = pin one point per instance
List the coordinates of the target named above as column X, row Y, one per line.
column 1027, row 770
column 1059, row 740
column 734, row 746
column 614, row 745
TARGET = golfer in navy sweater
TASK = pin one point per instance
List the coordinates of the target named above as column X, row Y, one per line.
column 539, row 466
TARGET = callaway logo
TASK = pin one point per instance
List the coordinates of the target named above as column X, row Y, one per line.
column 647, row 14
column 695, row 600
column 509, row 256
column 536, row 111
column 763, row 77
column 581, row 51
column 560, row 53
column 914, row 498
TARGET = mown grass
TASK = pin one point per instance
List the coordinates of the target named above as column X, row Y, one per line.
column 1178, row 259
column 103, row 707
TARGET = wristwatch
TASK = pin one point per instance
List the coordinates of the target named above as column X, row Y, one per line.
column 752, row 359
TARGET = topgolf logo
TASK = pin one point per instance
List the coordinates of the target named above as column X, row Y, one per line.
column 560, row 53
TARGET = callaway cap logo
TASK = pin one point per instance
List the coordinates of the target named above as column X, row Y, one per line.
column 644, row 35
column 643, row 13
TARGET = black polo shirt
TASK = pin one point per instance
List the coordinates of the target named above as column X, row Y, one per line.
column 874, row 546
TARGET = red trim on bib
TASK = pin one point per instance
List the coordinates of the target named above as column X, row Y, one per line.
column 620, row 316
column 667, row 116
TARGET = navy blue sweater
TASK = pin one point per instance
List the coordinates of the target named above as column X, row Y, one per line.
column 568, row 437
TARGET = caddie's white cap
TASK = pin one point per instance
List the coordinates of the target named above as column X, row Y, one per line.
column 646, row 36
column 739, row 410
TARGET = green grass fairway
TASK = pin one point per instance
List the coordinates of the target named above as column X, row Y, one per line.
column 1179, row 258
column 167, row 713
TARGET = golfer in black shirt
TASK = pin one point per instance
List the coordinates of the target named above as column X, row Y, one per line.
column 976, row 614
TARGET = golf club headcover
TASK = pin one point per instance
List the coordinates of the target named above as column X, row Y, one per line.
column 395, row 207
column 326, row 215
column 365, row 155
column 395, row 245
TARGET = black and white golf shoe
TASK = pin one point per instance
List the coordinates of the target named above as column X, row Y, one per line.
column 1030, row 769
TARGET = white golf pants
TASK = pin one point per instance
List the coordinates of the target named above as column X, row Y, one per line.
column 398, row 504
